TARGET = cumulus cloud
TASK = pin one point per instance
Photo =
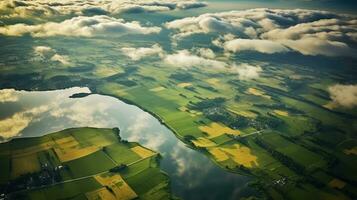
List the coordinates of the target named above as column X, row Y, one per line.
column 84, row 26
column 205, row 58
column 184, row 59
column 13, row 125
column 189, row 4
column 207, row 53
column 139, row 53
column 308, row 32
column 315, row 46
column 81, row 113
column 10, row 9
column 43, row 51
column 45, row 54
column 262, row 46
column 127, row 6
column 142, row 123
column 135, row 8
column 343, row 95
column 78, row 112
column 247, row 71
column 47, row 9
column 61, row 59
column 8, row 95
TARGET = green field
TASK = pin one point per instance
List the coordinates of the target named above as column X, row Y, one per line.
column 79, row 178
column 299, row 132
column 288, row 132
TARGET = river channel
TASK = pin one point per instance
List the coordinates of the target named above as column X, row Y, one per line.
column 192, row 174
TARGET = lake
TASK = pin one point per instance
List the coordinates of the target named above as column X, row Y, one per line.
column 192, row 174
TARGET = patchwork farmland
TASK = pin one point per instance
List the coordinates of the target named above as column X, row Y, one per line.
column 80, row 163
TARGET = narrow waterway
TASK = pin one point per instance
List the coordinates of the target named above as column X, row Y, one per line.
column 192, row 174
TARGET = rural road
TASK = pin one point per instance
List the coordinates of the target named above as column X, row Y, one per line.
column 85, row 177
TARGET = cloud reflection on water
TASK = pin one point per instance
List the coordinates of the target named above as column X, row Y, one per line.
column 192, row 174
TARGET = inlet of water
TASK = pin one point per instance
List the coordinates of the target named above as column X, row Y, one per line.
column 192, row 174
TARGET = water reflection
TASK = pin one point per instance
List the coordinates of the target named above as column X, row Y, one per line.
column 193, row 176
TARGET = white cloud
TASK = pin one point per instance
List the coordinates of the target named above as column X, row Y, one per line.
column 81, row 113
column 262, row 46
column 184, row 59
column 13, row 125
column 43, row 51
column 45, row 54
column 142, row 122
column 343, row 95
column 10, row 9
column 126, row 6
column 186, row 167
column 207, row 53
column 315, row 46
column 84, row 26
column 8, row 95
column 139, row 53
column 62, row 59
column 140, row 129
column 76, row 112
column 247, row 71
column 308, row 32
column 219, row 42
column 135, row 8
column 328, row 29
column 189, row 4
column 48, row 9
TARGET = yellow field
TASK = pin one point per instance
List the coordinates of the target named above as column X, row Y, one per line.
column 119, row 187
column 99, row 141
column 281, row 112
column 142, row 152
column 102, row 193
column 152, row 194
column 24, row 164
column 195, row 113
column 203, row 142
column 106, row 71
column 337, row 183
column 213, row 81
column 192, row 112
column 257, row 92
column 183, row 85
column 218, row 154
column 244, row 113
column 67, row 142
column 330, row 105
column 74, row 153
column 295, row 77
column 33, row 149
column 241, row 155
column 68, row 148
column 157, row 89
column 114, row 89
column 352, row 151
column 183, row 108
column 216, row 129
